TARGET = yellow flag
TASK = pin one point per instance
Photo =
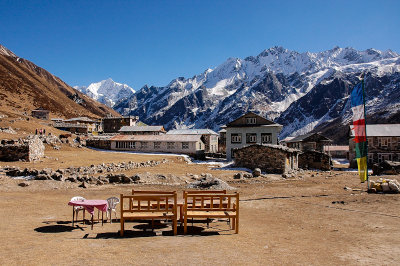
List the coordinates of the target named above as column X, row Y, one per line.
column 362, row 168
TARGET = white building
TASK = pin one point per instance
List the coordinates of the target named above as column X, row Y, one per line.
column 209, row 137
column 250, row 129
column 184, row 144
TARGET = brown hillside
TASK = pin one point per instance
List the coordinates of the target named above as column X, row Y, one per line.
column 24, row 86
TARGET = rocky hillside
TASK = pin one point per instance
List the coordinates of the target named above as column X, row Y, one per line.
column 302, row 91
column 25, row 86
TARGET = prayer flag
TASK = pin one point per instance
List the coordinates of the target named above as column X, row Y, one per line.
column 358, row 108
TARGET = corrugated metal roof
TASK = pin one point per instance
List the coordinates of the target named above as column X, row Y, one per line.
column 141, row 128
column 161, row 138
column 381, row 130
column 305, row 136
column 336, row 148
column 84, row 118
column 201, row 131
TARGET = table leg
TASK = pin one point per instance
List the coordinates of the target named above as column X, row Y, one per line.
column 73, row 215
column 92, row 220
column 102, row 218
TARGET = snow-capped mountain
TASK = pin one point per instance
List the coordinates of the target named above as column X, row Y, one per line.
column 107, row 91
column 275, row 84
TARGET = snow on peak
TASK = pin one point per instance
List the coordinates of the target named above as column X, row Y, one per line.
column 107, row 91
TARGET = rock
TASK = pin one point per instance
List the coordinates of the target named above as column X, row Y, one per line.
column 256, row 172
column 42, row 177
column 71, row 179
column 83, row 185
column 385, row 187
column 114, row 178
column 135, row 178
column 247, row 175
column 238, row 176
column 23, row 184
column 125, row 179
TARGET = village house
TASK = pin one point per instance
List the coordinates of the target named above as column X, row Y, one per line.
column 250, row 129
column 383, row 144
column 184, row 144
column 142, row 130
column 114, row 124
column 269, row 158
column 209, row 137
column 310, row 141
column 40, row 113
column 82, row 125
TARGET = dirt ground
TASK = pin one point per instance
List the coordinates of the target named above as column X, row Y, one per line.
column 309, row 220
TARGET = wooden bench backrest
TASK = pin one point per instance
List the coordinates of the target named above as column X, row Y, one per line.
column 204, row 192
column 211, row 202
column 152, row 192
column 149, row 203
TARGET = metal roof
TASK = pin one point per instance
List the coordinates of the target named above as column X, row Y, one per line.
column 380, row 130
column 201, row 131
column 84, row 119
column 305, row 136
column 161, row 138
column 141, row 128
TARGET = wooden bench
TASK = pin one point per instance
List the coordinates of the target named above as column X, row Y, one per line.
column 144, row 206
column 211, row 205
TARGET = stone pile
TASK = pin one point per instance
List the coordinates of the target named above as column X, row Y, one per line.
column 8, row 130
column 30, row 149
column 385, row 186
column 207, row 181
column 86, row 173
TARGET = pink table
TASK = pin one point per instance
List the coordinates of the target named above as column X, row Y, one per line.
column 89, row 205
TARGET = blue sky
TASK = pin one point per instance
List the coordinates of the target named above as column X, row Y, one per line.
column 153, row 42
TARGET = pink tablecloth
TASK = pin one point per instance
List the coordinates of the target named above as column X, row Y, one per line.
column 89, row 205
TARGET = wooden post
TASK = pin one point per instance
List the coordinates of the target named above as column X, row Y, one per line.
column 121, row 196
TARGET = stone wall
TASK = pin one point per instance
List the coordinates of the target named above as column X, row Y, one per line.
column 27, row 150
column 315, row 160
column 266, row 157
column 100, row 143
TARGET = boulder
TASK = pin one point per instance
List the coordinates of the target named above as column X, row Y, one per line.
column 238, row 176
column 256, row 172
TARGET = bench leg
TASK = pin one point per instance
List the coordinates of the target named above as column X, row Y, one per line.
column 122, row 227
column 237, row 225
column 185, row 225
column 233, row 223
column 175, row 225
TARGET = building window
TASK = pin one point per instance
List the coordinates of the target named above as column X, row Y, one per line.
column 170, row 145
column 232, row 153
column 266, row 138
column 132, row 145
column 370, row 158
column 185, row 145
column 251, row 120
column 251, row 138
column 236, row 138
column 383, row 142
column 157, row 145
column 144, row 145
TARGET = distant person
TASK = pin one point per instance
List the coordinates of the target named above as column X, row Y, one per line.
column 44, row 131
column 36, row 132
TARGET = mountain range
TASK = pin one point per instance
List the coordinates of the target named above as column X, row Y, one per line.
column 107, row 91
column 302, row 91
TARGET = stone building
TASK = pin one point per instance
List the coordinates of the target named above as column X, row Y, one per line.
column 310, row 141
column 27, row 150
column 222, row 141
column 337, row 151
column 142, row 130
column 315, row 160
column 40, row 113
column 114, row 124
column 250, row 129
column 383, row 144
column 208, row 136
column 269, row 158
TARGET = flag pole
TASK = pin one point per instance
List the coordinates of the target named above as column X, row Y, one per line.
column 365, row 124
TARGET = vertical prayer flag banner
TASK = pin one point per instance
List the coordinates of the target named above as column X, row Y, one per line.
column 358, row 108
